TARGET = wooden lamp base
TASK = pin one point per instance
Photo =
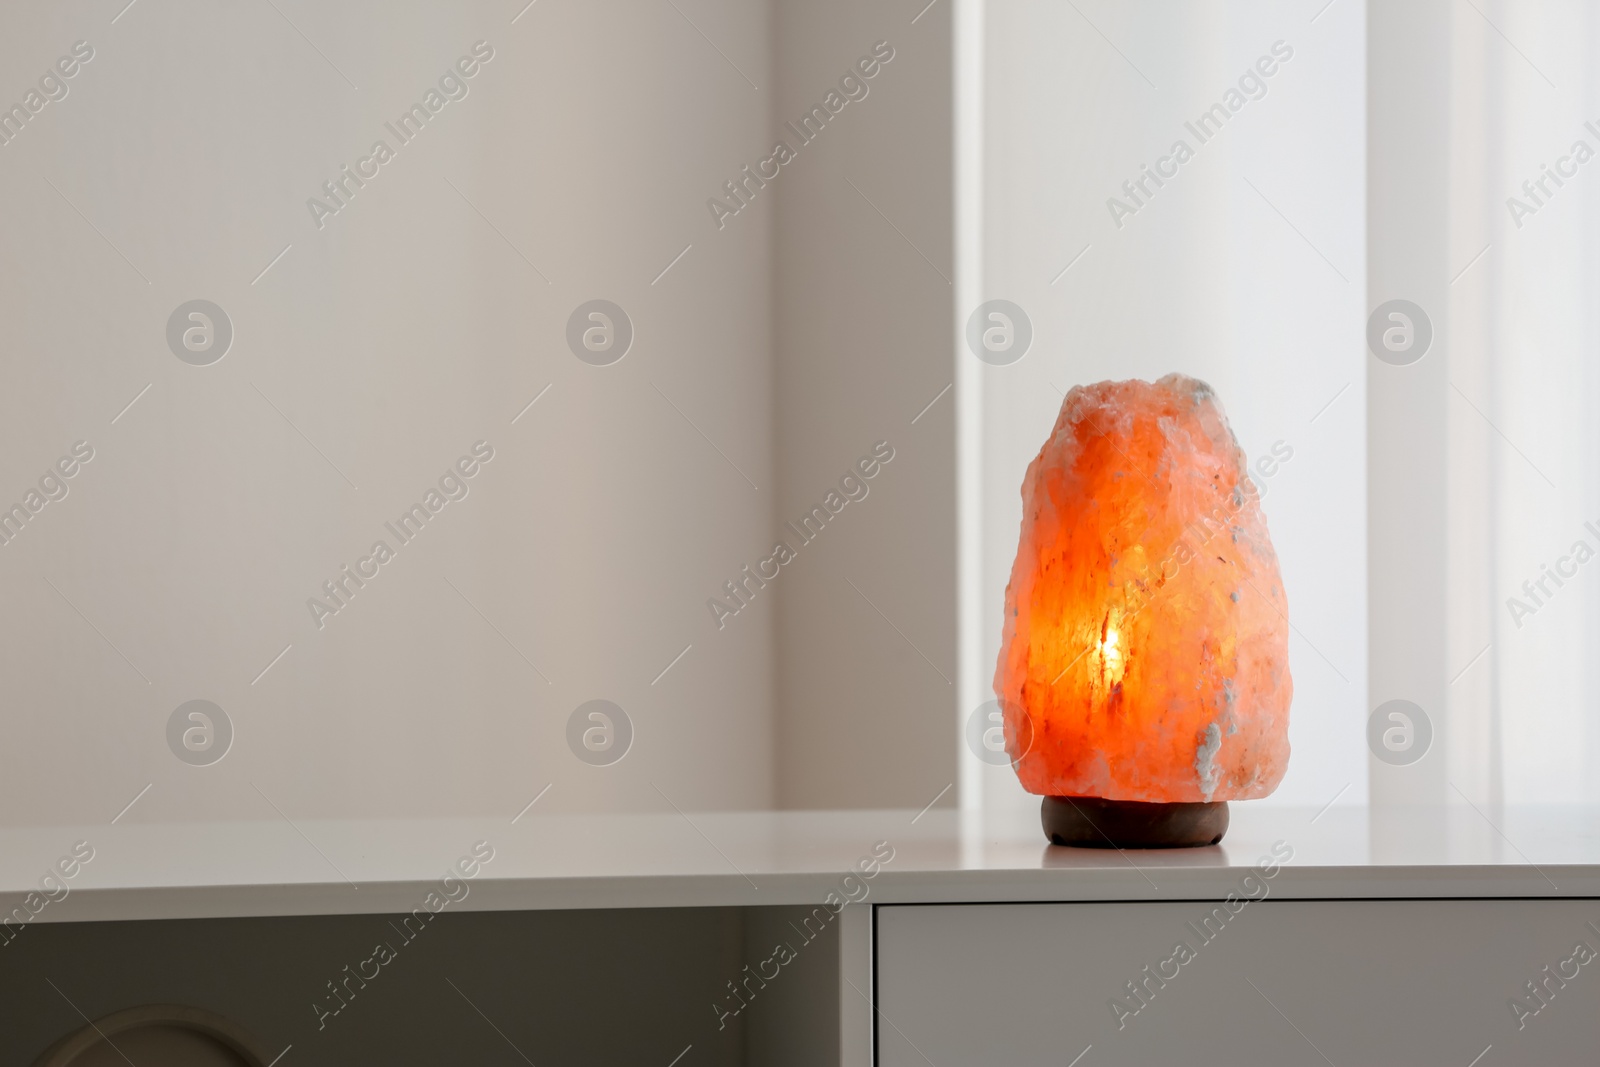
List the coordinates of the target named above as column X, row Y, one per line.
column 1091, row 822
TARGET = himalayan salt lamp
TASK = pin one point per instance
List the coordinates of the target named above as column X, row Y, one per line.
column 1144, row 671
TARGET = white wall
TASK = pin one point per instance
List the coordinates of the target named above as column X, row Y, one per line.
column 1408, row 406
column 1484, row 475
column 863, row 299
column 777, row 351
column 390, row 340
column 1522, row 439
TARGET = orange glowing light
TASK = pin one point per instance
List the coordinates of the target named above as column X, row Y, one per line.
column 1145, row 653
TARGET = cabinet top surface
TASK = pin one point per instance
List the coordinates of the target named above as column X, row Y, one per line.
column 173, row 870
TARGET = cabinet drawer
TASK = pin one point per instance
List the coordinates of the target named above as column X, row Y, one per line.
column 1280, row 982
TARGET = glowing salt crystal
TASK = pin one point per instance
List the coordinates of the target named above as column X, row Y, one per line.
column 1146, row 628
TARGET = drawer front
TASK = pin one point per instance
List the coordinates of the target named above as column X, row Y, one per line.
column 1379, row 982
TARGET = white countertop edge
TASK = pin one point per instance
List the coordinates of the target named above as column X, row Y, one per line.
column 654, row 860
column 917, row 887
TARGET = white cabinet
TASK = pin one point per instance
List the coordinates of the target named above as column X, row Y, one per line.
column 1282, row 982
